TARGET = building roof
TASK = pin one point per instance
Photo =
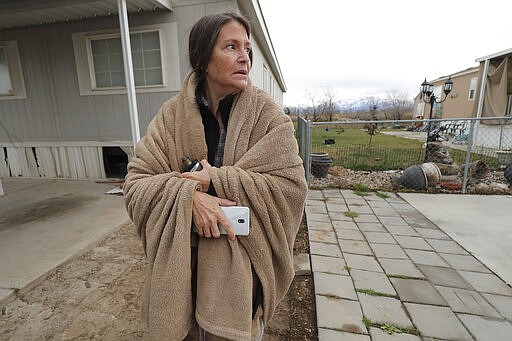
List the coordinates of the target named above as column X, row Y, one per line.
column 457, row 74
column 19, row 13
column 494, row 55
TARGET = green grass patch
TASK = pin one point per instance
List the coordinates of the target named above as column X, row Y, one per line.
column 459, row 156
column 358, row 187
column 373, row 292
column 356, row 134
column 367, row 322
column 352, row 149
column 382, row 195
column 351, row 214
column 389, row 328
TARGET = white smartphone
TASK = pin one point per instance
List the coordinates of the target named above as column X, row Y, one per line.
column 238, row 216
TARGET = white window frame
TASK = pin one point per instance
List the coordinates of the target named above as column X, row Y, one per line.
column 15, row 71
column 420, row 108
column 472, row 87
column 90, row 58
column 171, row 78
column 265, row 75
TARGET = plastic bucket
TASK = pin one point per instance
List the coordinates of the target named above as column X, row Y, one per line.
column 432, row 173
column 413, row 177
column 319, row 156
column 320, row 164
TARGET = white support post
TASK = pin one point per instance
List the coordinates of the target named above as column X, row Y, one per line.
column 128, row 71
column 481, row 98
column 1, row 189
column 483, row 85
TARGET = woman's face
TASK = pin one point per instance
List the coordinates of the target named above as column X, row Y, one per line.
column 229, row 65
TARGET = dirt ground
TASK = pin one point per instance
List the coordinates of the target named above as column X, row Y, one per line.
column 96, row 296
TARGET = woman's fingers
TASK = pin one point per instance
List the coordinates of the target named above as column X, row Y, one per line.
column 226, row 202
column 208, row 215
column 224, row 222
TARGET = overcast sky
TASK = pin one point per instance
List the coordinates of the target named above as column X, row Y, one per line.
column 362, row 48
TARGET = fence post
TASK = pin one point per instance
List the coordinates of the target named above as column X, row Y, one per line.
column 307, row 150
column 468, row 157
column 500, row 143
column 300, row 136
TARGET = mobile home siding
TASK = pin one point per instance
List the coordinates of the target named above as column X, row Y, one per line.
column 54, row 109
column 458, row 105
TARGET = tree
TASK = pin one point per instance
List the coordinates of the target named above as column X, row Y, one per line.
column 400, row 103
column 328, row 105
column 311, row 97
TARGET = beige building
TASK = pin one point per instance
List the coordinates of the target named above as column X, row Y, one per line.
column 476, row 95
column 460, row 101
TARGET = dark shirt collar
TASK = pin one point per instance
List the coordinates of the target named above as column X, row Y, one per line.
column 225, row 105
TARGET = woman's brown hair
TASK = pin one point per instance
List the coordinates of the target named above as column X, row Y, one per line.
column 203, row 37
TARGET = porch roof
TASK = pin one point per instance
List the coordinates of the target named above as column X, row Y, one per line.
column 494, row 55
column 19, row 13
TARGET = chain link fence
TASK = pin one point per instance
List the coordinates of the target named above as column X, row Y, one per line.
column 458, row 155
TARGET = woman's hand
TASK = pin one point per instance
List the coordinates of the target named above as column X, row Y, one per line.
column 207, row 215
column 203, row 176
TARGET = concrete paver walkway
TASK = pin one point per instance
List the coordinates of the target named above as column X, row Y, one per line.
column 380, row 264
column 482, row 224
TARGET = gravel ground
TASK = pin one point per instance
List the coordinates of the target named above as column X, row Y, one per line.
column 96, row 296
column 493, row 183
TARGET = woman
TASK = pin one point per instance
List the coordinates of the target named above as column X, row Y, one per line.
column 226, row 286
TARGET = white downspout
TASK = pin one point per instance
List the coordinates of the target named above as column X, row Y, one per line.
column 128, row 71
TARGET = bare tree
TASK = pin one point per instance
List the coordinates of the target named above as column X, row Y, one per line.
column 311, row 97
column 328, row 105
column 400, row 102
column 373, row 103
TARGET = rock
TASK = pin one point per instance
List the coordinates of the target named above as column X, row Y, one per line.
column 480, row 188
column 301, row 264
column 478, row 170
column 498, row 188
column 445, row 169
column 438, row 153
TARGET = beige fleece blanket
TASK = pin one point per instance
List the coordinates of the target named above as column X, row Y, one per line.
column 261, row 170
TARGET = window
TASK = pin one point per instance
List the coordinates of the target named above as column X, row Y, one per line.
column 100, row 65
column 420, row 107
column 265, row 78
column 472, row 89
column 108, row 65
column 12, row 85
column 5, row 77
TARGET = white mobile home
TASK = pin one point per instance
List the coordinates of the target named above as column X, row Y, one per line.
column 65, row 107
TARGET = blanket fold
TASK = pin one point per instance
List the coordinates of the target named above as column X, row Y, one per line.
column 261, row 170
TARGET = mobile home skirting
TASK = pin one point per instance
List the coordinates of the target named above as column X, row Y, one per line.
column 59, row 160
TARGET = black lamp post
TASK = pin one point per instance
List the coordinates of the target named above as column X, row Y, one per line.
column 428, row 96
